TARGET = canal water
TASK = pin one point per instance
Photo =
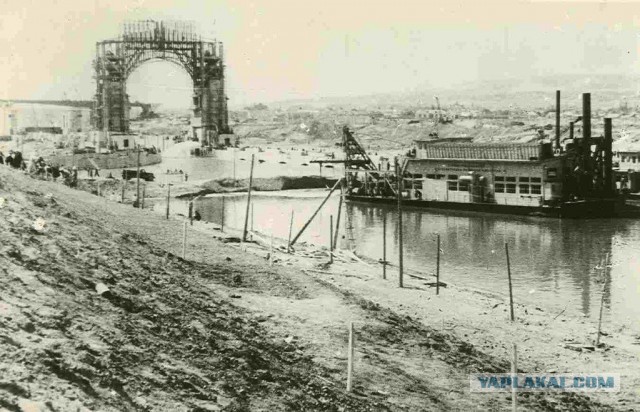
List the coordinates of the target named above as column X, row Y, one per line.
column 554, row 263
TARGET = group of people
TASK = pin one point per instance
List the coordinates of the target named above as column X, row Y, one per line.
column 38, row 167
column 185, row 176
column 13, row 159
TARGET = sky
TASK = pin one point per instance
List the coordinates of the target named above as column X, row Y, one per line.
column 285, row 49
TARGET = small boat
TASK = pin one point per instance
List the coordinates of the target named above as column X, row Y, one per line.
column 282, row 163
column 329, row 166
column 305, row 164
column 261, row 161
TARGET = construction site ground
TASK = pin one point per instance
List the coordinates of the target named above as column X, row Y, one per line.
column 99, row 311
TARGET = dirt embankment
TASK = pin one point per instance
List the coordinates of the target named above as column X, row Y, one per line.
column 98, row 311
column 97, row 318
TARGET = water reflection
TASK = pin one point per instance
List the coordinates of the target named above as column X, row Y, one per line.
column 554, row 262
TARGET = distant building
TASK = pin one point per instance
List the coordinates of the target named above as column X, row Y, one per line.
column 628, row 159
column 21, row 117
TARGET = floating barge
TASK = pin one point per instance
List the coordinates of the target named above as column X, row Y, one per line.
column 570, row 180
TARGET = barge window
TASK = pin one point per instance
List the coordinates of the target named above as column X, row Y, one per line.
column 535, row 190
column 499, row 188
column 536, row 180
column 417, row 176
column 634, row 159
column 453, row 186
column 463, row 186
column 524, row 189
column 511, row 178
column 452, row 177
column 439, row 176
column 499, row 179
column 623, row 158
column 511, row 188
column 553, row 172
column 431, row 177
column 523, row 179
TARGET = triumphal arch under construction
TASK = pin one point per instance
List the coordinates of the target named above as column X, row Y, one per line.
column 176, row 42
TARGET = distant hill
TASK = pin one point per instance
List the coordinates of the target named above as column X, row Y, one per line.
column 608, row 90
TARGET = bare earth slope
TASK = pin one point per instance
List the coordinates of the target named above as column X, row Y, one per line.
column 99, row 312
column 156, row 340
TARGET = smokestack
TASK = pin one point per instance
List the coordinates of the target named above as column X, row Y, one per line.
column 586, row 124
column 571, row 130
column 608, row 157
column 557, row 119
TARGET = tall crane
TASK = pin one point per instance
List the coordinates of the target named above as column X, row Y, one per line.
column 440, row 117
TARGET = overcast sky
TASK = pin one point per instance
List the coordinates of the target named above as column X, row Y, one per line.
column 278, row 50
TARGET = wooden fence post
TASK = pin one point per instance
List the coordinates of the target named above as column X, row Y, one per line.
column 290, row 229
column 350, row 359
column 222, row 218
column 184, row 240
column 604, row 285
column 246, row 216
column 506, row 249
column 400, row 257
column 168, row 198
column 514, row 375
column 335, row 235
column 331, row 239
column 438, row 267
column 138, row 202
column 384, row 244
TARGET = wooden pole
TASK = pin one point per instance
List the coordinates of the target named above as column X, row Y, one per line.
column 331, row 239
column 350, row 359
column 191, row 212
column 384, row 245
column 514, row 374
column 506, row 249
column 222, row 217
column 234, row 166
column 124, row 183
column 290, row 229
column 604, row 285
column 184, row 240
column 246, row 216
column 144, row 194
column 400, row 257
column 315, row 213
column 335, row 235
column 168, row 198
column 438, row 266
column 138, row 178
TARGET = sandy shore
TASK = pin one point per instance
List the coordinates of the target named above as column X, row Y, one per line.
column 223, row 329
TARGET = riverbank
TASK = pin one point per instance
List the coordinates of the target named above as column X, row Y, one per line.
column 224, row 329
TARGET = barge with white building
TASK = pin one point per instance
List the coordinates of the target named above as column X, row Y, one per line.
column 573, row 178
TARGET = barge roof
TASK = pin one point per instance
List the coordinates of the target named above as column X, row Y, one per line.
column 480, row 151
